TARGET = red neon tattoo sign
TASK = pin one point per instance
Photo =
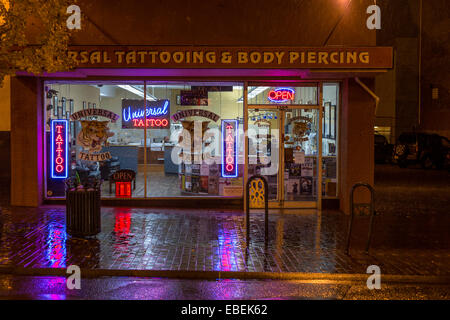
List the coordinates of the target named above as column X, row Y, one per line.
column 150, row 123
column 59, row 149
column 281, row 95
column 229, row 141
column 229, row 153
column 59, row 160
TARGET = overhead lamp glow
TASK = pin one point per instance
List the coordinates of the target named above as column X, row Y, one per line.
column 253, row 93
column 138, row 92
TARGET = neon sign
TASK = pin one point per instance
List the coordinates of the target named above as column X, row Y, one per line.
column 123, row 179
column 150, row 123
column 229, row 148
column 155, row 115
column 281, row 95
column 59, row 149
column 123, row 189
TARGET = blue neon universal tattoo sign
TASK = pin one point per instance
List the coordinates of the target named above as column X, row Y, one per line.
column 229, row 148
column 59, row 149
column 154, row 116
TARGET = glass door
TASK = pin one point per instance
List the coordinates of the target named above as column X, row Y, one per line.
column 264, row 132
column 300, row 157
column 283, row 147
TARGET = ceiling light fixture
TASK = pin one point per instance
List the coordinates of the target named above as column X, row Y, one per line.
column 138, row 92
column 253, row 93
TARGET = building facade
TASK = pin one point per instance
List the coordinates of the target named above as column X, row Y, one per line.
column 414, row 95
column 195, row 99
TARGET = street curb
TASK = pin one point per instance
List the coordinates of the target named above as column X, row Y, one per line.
column 214, row 275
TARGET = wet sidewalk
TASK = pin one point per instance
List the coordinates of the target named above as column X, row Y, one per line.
column 204, row 240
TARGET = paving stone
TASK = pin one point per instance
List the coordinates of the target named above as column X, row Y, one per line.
column 161, row 239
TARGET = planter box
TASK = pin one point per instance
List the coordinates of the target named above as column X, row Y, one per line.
column 83, row 213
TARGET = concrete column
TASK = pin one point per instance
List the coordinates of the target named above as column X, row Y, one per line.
column 26, row 142
column 357, row 141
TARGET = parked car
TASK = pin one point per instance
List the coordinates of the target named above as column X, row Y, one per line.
column 383, row 149
column 428, row 150
column 446, row 144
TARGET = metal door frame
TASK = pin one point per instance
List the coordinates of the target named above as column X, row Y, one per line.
column 280, row 202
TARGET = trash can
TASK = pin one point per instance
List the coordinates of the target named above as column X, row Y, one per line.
column 83, row 213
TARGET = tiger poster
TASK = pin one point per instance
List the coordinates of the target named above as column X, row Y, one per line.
column 94, row 136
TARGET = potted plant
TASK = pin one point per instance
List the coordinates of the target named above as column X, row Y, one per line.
column 83, row 205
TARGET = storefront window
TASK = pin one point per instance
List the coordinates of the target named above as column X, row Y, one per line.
column 177, row 143
column 186, row 138
column 330, row 129
column 96, row 145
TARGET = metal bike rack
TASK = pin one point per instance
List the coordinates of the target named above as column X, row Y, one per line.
column 263, row 181
column 369, row 206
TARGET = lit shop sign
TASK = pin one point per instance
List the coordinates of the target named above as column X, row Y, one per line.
column 123, row 189
column 150, row 123
column 123, row 180
column 281, row 95
column 154, row 116
column 59, row 146
column 229, row 148
column 231, row 57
